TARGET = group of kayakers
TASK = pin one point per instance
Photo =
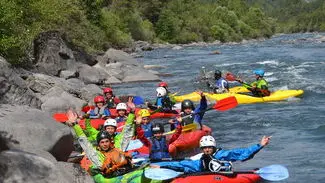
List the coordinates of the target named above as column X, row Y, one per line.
column 110, row 145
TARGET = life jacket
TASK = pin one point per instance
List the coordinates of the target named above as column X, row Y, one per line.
column 147, row 129
column 116, row 163
column 261, row 88
column 110, row 102
column 211, row 164
column 100, row 111
column 187, row 120
column 166, row 103
column 159, row 148
column 120, row 119
column 221, row 83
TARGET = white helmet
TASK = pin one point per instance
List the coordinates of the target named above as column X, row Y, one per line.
column 110, row 122
column 121, row 106
column 207, row 141
column 161, row 92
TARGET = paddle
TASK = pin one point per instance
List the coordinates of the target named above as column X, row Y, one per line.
column 270, row 173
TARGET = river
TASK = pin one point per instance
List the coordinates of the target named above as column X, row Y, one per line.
column 297, row 126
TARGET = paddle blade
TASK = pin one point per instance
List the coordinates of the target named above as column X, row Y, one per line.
column 230, row 77
column 134, row 144
column 226, row 104
column 60, row 117
column 137, row 100
column 160, row 173
column 273, row 172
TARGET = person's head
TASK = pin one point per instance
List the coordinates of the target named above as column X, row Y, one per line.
column 110, row 126
column 163, row 84
column 161, row 92
column 259, row 73
column 104, row 140
column 145, row 115
column 108, row 92
column 208, row 145
column 187, row 106
column 121, row 109
column 157, row 130
column 217, row 74
column 99, row 101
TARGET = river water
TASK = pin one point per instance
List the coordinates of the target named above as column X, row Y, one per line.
column 297, row 126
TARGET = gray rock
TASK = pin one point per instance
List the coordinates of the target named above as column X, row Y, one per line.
column 74, row 173
column 34, row 130
column 67, row 74
column 92, row 75
column 112, row 80
column 88, row 92
column 13, row 89
column 113, row 56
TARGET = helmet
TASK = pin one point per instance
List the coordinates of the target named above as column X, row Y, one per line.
column 99, row 98
column 121, row 106
column 161, row 92
column 207, row 141
column 217, row 74
column 103, row 135
column 144, row 113
column 107, row 90
column 187, row 104
column 163, row 84
column 259, row 72
column 110, row 122
column 157, row 128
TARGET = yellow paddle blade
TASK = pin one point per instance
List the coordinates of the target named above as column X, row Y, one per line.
column 186, row 128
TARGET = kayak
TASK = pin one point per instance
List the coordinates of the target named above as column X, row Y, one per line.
column 242, row 98
column 188, row 141
column 135, row 176
column 219, row 178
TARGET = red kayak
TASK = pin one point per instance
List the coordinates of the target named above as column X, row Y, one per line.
column 219, row 178
column 188, row 141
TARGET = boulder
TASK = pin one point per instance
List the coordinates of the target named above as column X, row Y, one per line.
column 52, row 55
column 35, row 131
column 13, row 88
column 67, row 74
column 114, row 56
column 92, row 75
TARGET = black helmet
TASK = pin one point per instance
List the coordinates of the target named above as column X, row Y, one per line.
column 103, row 135
column 217, row 74
column 157, row 128
column 187, row 104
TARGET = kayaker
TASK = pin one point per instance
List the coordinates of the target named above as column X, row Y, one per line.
column 259, row 88
column 221, row 85
column 110, row 125
column 121, row 109
column 111, row 99
column 210, row 153
column 164, row 85
column 100, row 110
column 158, row 144
column 189, row 113
column 146, row 125
column 163, row 102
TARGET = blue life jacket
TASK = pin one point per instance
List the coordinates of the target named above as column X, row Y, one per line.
column 159, row 148
column 221, row 83
column 147, row 130
column 120, row 119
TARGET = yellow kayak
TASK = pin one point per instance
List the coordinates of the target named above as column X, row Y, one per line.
column 242, row 98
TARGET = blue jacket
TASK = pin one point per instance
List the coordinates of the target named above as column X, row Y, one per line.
column 98, row 113
column 147, row 130
column 191, row 166
column 159, row 148
column 221, row 83
column 197, row 114
column 121, row 119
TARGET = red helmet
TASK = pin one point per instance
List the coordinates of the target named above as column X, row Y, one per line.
column 107, row 90
column 98, row 99
column 163, row 84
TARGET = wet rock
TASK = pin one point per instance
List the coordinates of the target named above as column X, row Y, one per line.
column 52, row 55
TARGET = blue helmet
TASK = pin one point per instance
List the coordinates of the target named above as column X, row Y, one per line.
column 259, row 72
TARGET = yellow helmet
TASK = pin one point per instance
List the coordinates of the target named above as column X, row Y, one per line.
column 144, row 113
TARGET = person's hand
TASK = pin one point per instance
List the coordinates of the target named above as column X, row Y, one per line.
column 179, row 118
column 72, row 117
column 130, row 104
column 200, row 93
column 239, row 80
column 265, row 140
column 171, row 121
column 154, row 166
column 138, row 120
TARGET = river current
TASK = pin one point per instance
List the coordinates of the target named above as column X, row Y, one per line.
column 297, row 126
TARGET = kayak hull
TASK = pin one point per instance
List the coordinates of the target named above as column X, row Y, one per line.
column 188, row 141
column 241, row 98
column 220, row 178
